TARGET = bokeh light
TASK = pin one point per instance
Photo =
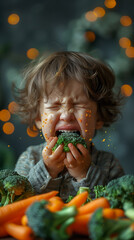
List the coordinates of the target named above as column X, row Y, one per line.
column 124, row 42
column 90, row 36
column 12, row 107
column 99, row 12
column 125, row 21
column 5, row 115
column 33, row 133
column 130, row 52
column 91, row 16
column 126, row 90
column 8, row 128
column 110, row 3
column 13, row 19
column 32, row 53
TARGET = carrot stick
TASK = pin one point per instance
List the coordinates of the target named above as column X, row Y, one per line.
column 78, row 200
column 119, row 212
column 24, row 220
column 93, row 205
column 109, row 213
column 132, row 226
column 17, row 209
column 19, row 232
column 3, row 231
column 55, row 204
column 80, row 225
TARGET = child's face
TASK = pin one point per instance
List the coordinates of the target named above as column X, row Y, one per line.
column 69, row 109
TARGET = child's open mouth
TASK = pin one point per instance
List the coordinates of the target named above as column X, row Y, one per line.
column 69, row 131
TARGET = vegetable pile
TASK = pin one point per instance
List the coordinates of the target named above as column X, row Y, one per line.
column 13, row 187
column 110, row 216
column 69, row 137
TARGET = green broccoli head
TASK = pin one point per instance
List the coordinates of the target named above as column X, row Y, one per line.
column 13, row 187
column 68, row 137
column 120, row 191
column 48, row 225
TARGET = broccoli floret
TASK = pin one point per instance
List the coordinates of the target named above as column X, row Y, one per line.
column 67, row 138
column 120, row 192
column 99, row 191
column 47, row 225
column 107, row 229
column 13, row 187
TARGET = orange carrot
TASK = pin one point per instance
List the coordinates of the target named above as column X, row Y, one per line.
column 80, row 225
column 78, row 200
column 119, row 212
column 3, row 231
column 17, row 209
column 109, row 213
column 55, row 204
column 93, row 205
column 24, row 220
column 132, row 226
column 19, row 232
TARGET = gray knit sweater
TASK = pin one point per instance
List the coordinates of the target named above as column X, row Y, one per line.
column 104, row 167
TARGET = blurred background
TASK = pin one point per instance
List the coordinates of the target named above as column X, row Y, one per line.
column 104, row 29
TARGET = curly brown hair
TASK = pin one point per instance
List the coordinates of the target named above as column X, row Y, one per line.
column 98, row 81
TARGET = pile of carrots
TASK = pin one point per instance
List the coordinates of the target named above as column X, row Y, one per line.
column 14, row 222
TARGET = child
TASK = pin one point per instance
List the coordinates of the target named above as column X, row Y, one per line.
column 68, row 91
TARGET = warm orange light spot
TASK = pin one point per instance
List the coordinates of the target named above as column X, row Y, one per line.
column 8, row 128
column 125, row 21
column 103, row 140
column 13, row 19
column 5, row 115
column 33, row 133
column 110, row 3
column 90, row 16
column 126, row 90
column 99, row 12
column 130, row 52
column 124, row 42
column 32, row 53
column 12, row 107
column 90, row 36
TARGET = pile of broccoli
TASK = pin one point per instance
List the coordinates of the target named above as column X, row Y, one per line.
column 119, row 192
column 101, row 228
column 68, row 137
column 50, row 225
column 13, row 187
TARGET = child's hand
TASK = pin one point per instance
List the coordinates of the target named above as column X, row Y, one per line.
column 77, row 163
column 54, row 161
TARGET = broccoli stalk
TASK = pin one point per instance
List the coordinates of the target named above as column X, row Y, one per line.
column 68, row 137
column 101, row 228
column 48, row 225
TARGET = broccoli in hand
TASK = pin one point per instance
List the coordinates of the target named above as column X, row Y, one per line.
column 13, row 187
column 47, row 225
column 69, row 137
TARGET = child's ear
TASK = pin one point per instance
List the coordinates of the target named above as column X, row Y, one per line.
column 38, row 123
column 99, row 124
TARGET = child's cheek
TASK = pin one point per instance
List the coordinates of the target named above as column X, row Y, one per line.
column 48, row 125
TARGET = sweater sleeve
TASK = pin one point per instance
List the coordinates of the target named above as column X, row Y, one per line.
column 30, row 164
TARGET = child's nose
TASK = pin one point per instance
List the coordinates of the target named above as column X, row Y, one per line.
column 67, row 114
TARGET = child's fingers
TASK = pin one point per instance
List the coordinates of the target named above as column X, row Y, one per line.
column 70, row 162
column 83, row 150
column 48, row 149
column 74, row 151
column 57, row 153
